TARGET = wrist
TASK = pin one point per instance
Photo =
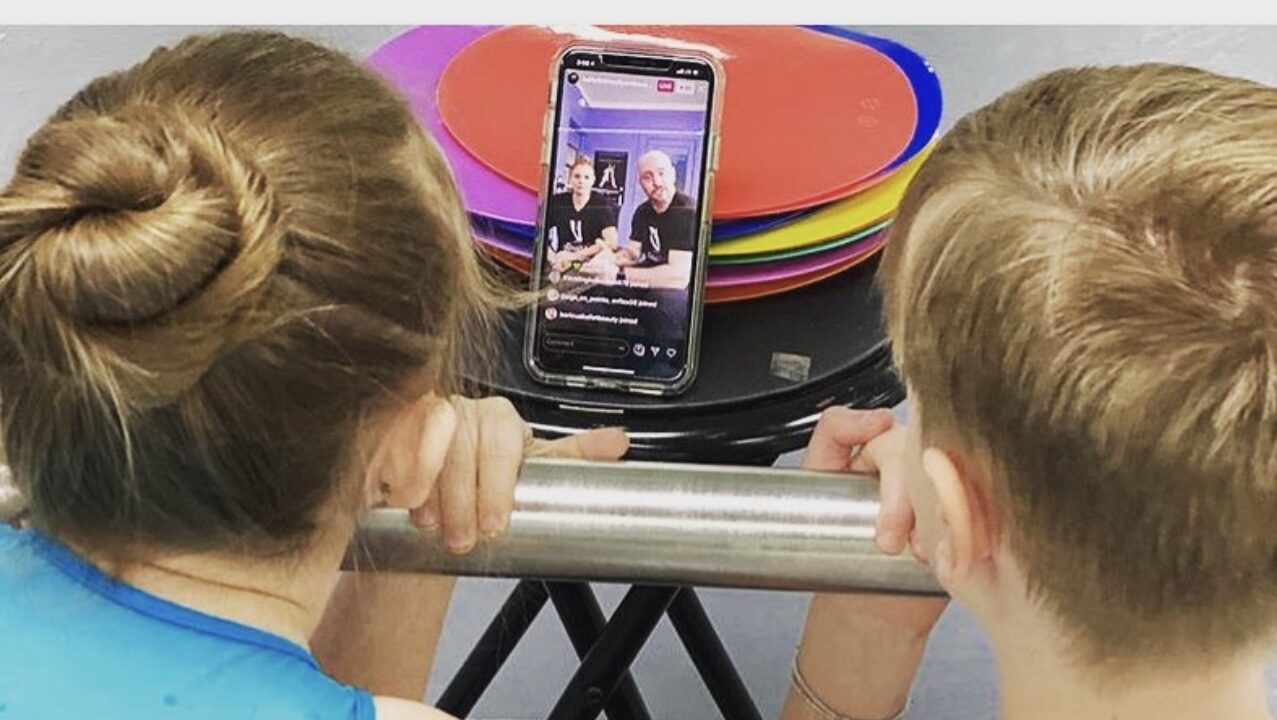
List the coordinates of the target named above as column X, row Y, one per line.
column 873, row 708
column 899, row 619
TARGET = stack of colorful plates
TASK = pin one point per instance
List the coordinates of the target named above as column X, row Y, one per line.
column 822, row 130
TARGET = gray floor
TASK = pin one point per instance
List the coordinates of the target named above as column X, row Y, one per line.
column 42, row 66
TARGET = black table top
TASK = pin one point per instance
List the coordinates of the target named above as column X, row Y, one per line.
column 768, row 366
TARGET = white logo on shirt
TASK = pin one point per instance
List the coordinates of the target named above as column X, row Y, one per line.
column 654, row 238
column 577, row 228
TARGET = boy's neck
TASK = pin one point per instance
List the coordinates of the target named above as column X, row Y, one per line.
column 1038, row 683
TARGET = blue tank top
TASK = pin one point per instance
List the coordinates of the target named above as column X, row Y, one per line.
column 75, row 643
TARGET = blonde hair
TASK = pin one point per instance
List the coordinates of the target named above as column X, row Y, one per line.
column 214, row 267
column 1082, row 283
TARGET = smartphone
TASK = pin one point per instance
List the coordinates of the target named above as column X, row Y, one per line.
column 630, row 151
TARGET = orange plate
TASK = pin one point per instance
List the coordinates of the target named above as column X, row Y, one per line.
column 509, row 259
column 807, row 117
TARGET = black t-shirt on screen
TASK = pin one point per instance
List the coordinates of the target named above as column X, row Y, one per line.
column 658, row 233
column 572, row 229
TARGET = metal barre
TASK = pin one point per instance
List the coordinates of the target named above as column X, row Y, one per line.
column 658, row 523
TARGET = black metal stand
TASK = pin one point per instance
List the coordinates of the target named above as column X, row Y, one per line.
column 710, row 657
column 603, row 681
column 583, row 619
column 610, row 658
column 493, row 648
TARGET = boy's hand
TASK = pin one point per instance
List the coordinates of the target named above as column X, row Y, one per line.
column 870, row 443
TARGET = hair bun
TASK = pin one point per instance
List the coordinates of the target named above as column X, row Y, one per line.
column 147, row 232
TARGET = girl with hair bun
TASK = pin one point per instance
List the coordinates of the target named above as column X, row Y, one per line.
column 237, row 287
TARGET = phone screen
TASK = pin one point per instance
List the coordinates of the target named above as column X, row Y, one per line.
column 621, row 248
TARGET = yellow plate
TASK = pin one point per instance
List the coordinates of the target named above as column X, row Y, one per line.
column 837, row 219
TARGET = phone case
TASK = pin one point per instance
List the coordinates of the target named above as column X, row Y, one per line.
column 637, row 386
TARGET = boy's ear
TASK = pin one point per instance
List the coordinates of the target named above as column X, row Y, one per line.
column 967, row 530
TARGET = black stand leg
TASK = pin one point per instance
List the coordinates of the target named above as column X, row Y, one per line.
column 607, row 662
column 583, row 619
column 606, row 650
column 710, row 657
column 490, row 653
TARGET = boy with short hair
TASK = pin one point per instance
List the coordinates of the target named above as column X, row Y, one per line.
column 1081, row 289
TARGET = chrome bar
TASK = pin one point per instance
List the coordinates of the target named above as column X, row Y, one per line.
column 666, row 523
column 744, row 527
